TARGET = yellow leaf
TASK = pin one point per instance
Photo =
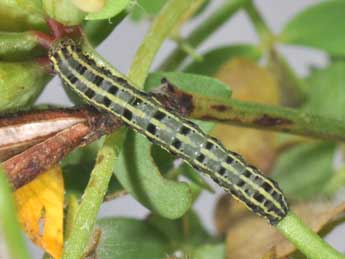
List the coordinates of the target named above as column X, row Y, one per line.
column 40, row 210
column 249, row 82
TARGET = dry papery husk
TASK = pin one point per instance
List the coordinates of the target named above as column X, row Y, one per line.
column 251, row 237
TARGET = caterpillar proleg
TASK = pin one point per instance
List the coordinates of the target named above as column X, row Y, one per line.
column 110, row 91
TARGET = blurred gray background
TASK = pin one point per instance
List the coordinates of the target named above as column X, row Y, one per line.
column 120, row 47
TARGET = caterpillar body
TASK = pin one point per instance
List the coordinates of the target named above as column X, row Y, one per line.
column 110, row 91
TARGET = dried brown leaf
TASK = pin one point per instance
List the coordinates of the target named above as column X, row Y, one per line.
column 249, row 82
column 254, row 238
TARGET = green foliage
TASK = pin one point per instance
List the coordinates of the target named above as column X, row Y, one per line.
column 147, row 171
column 21, row 15
column 139, row 175
column 305, row 170
column 320, row 26
column 190, row 83
column 125, row 238
column 111, row 9
column 213, row 250
column 327, row 91
column 20, row 83
column 155, row 237
column 99, row 30
column 142, row 8
column 64, row 11
column 18, row 46
column 9, row 227
column 214, row 59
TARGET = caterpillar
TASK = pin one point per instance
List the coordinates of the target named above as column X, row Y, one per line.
column 110, row 91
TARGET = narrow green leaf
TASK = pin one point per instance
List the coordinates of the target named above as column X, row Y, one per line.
column 97, row 31
column 214, row 59
column 319, row 26
column 64, row 11
column 191, row 83
column 304, row 170
column 122, row 238
column 327, row 91
column 9, row 226
column 136, row 171
column 111, row 9
column 194, row 85
column 20, row 83
column 19, row 46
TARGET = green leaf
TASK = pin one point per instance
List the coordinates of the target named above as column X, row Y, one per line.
column 19, row 46
column 212, row 250
column 20, row 83
column 319, row 26
column 183, row 233
column 214, row 59
column 64, row 11
column 304, row 170
column 136, row 171
column 21, row 15
column 97, row 31
column 143, row 8
column 110, row 9
column 327, row 91
column 190, row 83
column 194, row 85
column 122, row 238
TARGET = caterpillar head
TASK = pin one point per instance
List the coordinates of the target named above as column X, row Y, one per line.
column 65, row 45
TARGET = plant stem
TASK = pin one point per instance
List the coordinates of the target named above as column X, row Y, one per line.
column 9, row 225
column 293, row 89
column 269, row 117
column 100, row 176
column 208, row 26
column 309, row 243
column 73, row 206
column 93, row 196
column 160, row 29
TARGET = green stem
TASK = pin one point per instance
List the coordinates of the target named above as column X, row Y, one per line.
column 93, row 196
column 71, row 213
column 309, row 243
column 262, row 29
column 293, row 89
column 159, row 31
column 200, row 34
column 276, row 118
column 9, row 226
column 100, row 176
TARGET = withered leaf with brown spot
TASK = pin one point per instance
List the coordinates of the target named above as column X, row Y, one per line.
column 249, row 82
column 253, row 238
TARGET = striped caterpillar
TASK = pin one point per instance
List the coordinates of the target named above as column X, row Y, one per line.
column 110, row 91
